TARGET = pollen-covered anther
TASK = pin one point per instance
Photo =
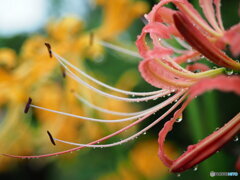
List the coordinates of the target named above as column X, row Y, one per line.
column 28, row 105
column 49, row 49
column 51, row 138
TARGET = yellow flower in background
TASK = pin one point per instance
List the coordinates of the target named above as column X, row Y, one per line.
column 142, row 163
column 145, row 159
column 32, row 73
column 7, row 57
column 119, row 15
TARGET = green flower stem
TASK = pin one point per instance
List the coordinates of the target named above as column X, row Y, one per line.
column 194, row 120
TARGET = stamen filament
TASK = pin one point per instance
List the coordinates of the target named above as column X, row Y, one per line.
column 73, row 76
column 60, row 59
column 176, row 50
column 119, row 49
column 105, row 110
column 99, row 140
column 151, row 110
column 183, row 43
column 129, row 138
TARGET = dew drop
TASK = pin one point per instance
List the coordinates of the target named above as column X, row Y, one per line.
column 145, row 133
column 229, row 72
column 179, row 119
column 178, row 175
column 176, row 100
column 169, row 95
column 195, row 168
column 235, row 139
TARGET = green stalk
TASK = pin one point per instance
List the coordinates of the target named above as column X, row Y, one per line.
column 194, row 120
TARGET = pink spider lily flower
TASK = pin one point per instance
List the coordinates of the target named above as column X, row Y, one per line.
column 161, row 65
column 161, row 68
column 196, row 38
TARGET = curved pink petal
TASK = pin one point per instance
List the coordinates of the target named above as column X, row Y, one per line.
column 157, row 75
column 155, row 29
column 209, row 145
column 232, row 37
column 163, row 15
column 187, row 8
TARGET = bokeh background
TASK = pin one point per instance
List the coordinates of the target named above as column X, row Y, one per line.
column 26, row 70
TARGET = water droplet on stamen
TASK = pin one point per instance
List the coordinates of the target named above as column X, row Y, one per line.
column 235, row 139
column 179, row 119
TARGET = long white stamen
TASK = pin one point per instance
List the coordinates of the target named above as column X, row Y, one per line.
column 176, row 50
column 177, row 66
column 129, row 138
column 108, row 111
column 73, row 76
column 153, row 110
column 119, row 49
column 60, row 59
column 183, row 43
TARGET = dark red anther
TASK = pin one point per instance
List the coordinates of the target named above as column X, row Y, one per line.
column 49, row 49
column 28, row 105
column 51, row 138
